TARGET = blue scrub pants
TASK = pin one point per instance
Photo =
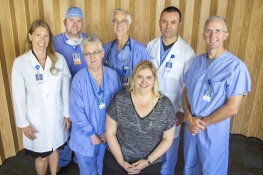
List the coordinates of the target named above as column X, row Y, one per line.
column 65, row 156
column 170, row 158
column 92, row 165
column 207, row 152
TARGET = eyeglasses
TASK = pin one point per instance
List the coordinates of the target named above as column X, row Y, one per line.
column 87, row 54
column 215, row 32
column 123, row 21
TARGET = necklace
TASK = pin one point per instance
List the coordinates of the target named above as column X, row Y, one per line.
column 138, row 122
column 139, row 126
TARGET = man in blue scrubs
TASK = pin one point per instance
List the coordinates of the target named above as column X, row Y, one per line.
column 171, row 56
column 68, row 44
column 92, row 90
column 123, row 53
column 215, row 83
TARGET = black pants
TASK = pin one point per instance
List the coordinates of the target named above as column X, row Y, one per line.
column 112, row 167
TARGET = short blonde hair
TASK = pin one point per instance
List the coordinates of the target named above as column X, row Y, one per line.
column 145, row 64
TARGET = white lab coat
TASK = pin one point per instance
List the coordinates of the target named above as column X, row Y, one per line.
column 171, row 80
column 44, row 105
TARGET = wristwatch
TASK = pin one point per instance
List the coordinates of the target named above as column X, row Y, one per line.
column 149, row 162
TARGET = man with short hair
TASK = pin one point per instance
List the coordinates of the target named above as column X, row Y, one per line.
column 171, row 56
column 215, row 83
column 68, row 44
column 123, row 53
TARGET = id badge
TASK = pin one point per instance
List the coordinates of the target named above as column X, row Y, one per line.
column 101, row 103
column 76, row 58
column 207, row 95
column 168, row 66
column 125, row 69
column 125, row 81
column 39, row 77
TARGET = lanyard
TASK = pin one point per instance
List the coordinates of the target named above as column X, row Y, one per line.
column 128, row 43
column 101, row 90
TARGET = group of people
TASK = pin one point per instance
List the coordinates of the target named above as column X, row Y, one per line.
column 120, row 107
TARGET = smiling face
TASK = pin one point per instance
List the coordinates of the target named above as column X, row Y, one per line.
column 121, row 28
column 93, row 55
column 215, row 40
column 73, row 26
column 144, row 81
column 40, row 39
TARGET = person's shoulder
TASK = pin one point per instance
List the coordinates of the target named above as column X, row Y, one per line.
column 80, row 74
column 56, row 37
column 110, row 71
column 233, row 60
column 164, row 98
column 83, row 34
column 24, row 56
column 60, row 56
column 183, row 43
column 200, row 56
column 123, row 94
column 109, row 43
column 137, row 44
column 154, row 41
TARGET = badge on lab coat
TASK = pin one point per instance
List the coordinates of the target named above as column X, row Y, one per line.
column 39, row 76
column 168, row 66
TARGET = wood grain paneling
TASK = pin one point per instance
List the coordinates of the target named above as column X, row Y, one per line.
column 245, row 23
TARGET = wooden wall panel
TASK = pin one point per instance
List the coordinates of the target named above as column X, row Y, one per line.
column 245, row 23
column 188, row 21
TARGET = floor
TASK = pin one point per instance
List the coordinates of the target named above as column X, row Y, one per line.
column 246, row 158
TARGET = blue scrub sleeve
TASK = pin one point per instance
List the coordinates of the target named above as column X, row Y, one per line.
column 240, row 82
column 77, row 109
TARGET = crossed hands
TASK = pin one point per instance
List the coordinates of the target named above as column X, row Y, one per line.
column 196, row 125
column 95, row 139
column 136, row 167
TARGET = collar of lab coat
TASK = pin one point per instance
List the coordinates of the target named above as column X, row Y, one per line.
column 33, row 60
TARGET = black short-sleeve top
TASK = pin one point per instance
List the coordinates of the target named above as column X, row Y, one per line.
column 138, row 137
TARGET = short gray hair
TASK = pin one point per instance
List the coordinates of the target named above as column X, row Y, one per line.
column 122, row 10
column 215, row 18
column 91, row 39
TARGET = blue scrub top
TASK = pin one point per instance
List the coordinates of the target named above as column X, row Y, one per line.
column 132, row 53
column 226, row 76
column 86, row 116
column 67, row 50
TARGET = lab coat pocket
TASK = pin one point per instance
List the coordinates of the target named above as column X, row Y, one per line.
column 33, row 115
column 176, row 71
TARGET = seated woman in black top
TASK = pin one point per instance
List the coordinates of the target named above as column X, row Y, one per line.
column 140, row 125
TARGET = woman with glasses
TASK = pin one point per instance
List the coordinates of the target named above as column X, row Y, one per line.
column 140, row 126
column 123, row 53
column 92, row 89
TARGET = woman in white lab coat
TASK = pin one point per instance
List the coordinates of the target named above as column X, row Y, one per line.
column 40, row 89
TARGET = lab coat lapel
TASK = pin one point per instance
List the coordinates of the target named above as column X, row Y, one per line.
column 33, row 60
